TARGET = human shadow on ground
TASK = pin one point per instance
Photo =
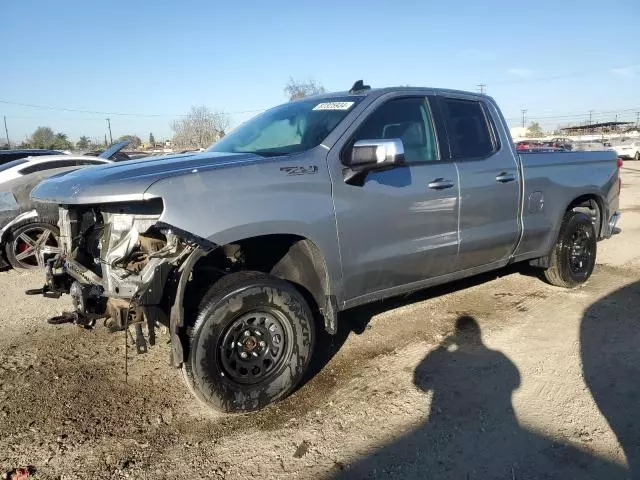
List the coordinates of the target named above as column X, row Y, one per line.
column 357, row 319
column 472, row 431
column 610, row 352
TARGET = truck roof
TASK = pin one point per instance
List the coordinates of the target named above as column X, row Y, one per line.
column 376, row 92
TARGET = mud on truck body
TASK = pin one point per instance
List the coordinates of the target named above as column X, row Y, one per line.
column 248, row 252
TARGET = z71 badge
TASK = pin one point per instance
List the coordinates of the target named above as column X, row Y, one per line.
column 310, row 170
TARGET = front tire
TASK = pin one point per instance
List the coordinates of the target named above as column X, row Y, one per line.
column 251, row 342
column 574, row 255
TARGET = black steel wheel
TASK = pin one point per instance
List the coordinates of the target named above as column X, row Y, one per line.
column 31, row 245
column 574, row 255
column 250, row 344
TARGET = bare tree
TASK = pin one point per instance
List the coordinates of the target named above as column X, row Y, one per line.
column 199, row 129
column 296, row 89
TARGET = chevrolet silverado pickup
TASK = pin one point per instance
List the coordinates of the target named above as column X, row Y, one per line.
column 248, row 250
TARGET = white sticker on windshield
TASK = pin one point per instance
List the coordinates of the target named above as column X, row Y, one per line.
column 333, row 106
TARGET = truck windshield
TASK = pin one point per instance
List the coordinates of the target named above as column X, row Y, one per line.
column 289, row 128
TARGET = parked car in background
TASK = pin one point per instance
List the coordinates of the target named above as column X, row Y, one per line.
column 311, row 208
column 525, row 145
column 561, row 143
column 628, row 149
column 28, row 165
column 28, row 228
column 10, row 155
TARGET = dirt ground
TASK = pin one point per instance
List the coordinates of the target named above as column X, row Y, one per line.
column 536, row 382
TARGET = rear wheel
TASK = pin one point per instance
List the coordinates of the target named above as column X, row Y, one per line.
column 31, row 245
column 251, row 342
column 574, row 256
column 637, row 156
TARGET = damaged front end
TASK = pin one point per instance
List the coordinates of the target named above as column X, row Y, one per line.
column 117, row 263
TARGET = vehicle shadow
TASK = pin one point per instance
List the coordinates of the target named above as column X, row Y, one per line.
column 357, row 319
column 610, row 352
column 472, row 431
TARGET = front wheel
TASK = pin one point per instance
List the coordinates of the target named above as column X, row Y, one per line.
column 251, row 342
column 574, row 255
column 31, row 245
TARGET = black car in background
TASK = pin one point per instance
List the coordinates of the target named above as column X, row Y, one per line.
column 11, row 155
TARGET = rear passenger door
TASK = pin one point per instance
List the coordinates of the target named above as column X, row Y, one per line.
column 489, row 181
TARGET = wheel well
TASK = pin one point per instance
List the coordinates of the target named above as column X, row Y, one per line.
column 289, row 257
column 591, row 205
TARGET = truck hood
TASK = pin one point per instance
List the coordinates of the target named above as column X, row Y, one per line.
column 128, row 180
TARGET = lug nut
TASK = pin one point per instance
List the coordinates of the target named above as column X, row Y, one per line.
column 243, row 354
column 262, row 343
column 257, row 333
column 254, row 354
column 272, row 328
column 246, row 333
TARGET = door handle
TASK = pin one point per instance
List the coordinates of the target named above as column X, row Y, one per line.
column 441, row 184
column 504, row 177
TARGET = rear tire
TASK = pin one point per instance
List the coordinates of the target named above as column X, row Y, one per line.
column 30, row 245
column 251, row 342
column 637, row 156
column 574, row 255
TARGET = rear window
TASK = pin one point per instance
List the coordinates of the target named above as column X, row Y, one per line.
column 470, row 134
column 14, row 163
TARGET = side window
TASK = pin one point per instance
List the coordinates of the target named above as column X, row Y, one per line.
column 40, row 167
column 408, row 119
column 467, row 127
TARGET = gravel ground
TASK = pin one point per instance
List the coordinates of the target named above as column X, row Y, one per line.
column 536, row 382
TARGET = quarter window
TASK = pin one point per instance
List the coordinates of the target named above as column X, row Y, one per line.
column 468, row 129
column 409, row 120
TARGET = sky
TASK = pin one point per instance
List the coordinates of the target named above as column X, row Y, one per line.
column 143, row 64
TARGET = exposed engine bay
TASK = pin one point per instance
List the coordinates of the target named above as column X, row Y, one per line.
column 115, row 262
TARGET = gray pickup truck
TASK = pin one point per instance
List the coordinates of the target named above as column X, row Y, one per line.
column 316, row 206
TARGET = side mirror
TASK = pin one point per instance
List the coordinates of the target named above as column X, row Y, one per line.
column 376, row 154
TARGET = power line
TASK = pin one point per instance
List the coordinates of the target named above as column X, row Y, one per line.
column 124, row 114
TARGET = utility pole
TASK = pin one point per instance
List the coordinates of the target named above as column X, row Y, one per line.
column 6, row 132
column 482, row 88
column 110, row 136
column 590, row 113
column 637, row 120
column 524, row 116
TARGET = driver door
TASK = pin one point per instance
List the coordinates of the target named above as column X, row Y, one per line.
column 401, row 226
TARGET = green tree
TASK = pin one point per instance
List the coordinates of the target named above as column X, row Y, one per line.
column 83, row 143
column 152, row 140
column 43, row 137
column 61, row 142
column 534, row 130
column 134, row 140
